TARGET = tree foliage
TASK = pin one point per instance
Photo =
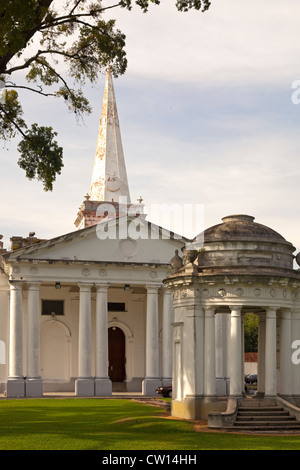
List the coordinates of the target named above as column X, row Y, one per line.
column 251, row 332
column 36, row 37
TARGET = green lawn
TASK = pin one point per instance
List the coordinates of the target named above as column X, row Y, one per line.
column 98, row 424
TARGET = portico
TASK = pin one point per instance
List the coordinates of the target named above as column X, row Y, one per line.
column 94, row 296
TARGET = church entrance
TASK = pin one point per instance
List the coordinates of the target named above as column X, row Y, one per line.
column 116, row 354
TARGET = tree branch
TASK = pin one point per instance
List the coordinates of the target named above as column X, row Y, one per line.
column 13, row 122
column 25, row 65
column 40, row 92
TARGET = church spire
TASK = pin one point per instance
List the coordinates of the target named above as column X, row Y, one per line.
column 109, row 177
column 109, row 195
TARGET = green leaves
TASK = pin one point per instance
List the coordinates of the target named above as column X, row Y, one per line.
column 181, row 5
column 41, row 157
column 11, row 116
column 95, row 49
column 185, row 5
column 251, row 332
column 75, row 101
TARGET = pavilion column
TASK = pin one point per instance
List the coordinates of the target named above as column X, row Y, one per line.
column 295, row 354
column 33, row 384
column 84, row 385
column 270, row 353
column 152, row 379
column 167, row 353
column 15, row 380
column 261, row 354
column 236, row 387
column 103, row 385
column 209, row 353
column 285, row 352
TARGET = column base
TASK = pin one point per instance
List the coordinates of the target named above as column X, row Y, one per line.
column 197, row 407
column 269, row 396
column 84, row 388
column 15, row 388
column 149, row 386
column 167, row 381
column 33, row 388
column 103, row 387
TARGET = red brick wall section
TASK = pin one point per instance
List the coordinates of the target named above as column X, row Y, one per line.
column 251, row 357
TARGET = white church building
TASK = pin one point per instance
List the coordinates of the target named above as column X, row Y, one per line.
column 87, row 312
column 122, row 304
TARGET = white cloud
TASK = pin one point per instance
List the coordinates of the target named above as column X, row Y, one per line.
column 234, row 41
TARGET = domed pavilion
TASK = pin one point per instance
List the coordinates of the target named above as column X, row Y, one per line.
column 241, row 267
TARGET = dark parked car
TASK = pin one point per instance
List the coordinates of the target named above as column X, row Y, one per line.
column 251, row 379
column 164, row 390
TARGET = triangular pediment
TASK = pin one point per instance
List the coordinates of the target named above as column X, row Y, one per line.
column 122, row 240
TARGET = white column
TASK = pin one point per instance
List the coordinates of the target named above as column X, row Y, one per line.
column 152, row 379
column 209, row 353
column 103, row 385
column 167, row 337
column 285, row 352
column 270, row 353
column 15, row 381
column 261, row 354
column 295, row 354
column 243, row 353
column 222, row 324
column 236, row 352
column 84, row 385
column 34, row 384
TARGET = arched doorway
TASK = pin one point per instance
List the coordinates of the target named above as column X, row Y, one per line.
column 116, row 354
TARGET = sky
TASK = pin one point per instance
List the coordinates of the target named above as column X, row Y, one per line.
column 209, row 111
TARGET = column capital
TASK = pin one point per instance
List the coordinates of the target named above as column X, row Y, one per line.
column 271, row 312
column 33, row 284
column 166, row 290
column 16, row 283
column 152, row 289
column 102, row 286
column 237, row 309
column 209, row 311
column 85, row 285
column 286, row 313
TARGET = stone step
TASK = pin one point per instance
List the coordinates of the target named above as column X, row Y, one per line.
column 266, row 428
column 268, row 423
column 261, row 408
column 265, row 418
column 266, row 413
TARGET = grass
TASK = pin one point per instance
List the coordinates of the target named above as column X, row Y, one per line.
column 96, row 424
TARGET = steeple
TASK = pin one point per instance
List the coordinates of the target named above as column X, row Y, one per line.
column 109, row 195
column 109, row 177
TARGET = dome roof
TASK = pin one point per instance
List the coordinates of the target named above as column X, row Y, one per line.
column 240, row 245
column 241, row 227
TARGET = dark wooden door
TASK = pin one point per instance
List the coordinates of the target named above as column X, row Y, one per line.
column 116, row 354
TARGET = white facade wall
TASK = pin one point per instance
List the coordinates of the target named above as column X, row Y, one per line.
column 4, row 329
